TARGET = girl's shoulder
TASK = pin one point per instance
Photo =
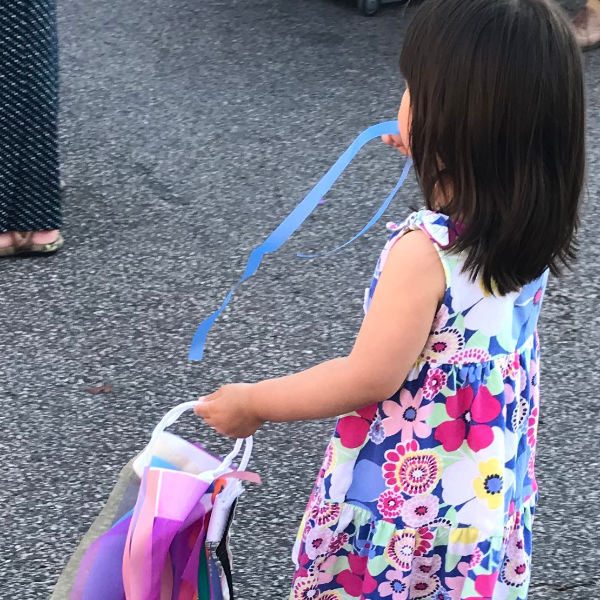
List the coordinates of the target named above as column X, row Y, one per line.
column 438, row 227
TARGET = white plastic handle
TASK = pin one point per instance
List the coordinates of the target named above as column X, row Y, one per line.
column 171, row 417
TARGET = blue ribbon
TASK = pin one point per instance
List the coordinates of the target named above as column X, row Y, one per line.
column 293, row 221
column 374, row 218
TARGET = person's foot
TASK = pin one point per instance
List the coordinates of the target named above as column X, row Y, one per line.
column 30, row 242
column 39, row 237
column 586, row 24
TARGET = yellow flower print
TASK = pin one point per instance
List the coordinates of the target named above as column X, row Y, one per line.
column 464, row 535
column 489, row 487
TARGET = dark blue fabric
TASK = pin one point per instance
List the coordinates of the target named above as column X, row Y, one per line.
column 29, row 168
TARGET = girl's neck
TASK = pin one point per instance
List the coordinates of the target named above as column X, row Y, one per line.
column 441, row 199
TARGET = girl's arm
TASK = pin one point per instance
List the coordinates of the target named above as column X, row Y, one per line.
column 390, row 339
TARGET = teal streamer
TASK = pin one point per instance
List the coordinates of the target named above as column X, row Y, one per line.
column 293, row 221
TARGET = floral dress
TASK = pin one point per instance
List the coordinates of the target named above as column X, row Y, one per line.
column 431, row 493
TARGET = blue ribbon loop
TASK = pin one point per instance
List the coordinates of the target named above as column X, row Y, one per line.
column 293, row 221
column 374, row 218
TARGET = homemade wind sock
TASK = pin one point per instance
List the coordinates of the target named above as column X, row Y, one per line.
column 163, row 534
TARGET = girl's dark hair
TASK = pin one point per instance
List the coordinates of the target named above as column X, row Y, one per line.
column 498, row 131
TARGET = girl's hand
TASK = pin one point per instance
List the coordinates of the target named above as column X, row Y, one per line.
column 395, row 141
column 229, row 410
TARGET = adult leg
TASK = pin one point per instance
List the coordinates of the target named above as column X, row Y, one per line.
column 29, row 167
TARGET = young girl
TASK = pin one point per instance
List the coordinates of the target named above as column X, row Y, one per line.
column 427, row 489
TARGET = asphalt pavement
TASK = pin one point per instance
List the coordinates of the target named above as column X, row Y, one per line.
column 189, row 130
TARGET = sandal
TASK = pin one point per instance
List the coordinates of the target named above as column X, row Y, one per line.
column 23, row 245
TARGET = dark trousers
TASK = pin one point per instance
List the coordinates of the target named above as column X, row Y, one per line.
column 29, row 168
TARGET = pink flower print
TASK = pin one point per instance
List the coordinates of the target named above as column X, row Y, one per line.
column 314, row 500
column 424, row 566
column 321, row 569
column 441, row 318
column 532, row 425
column 327, row 460
column 469, row 417
column 474, row 355
column 325, row 513
column 424, row 541
column 317, row 542
column 305, row 561
column 368, row 412
column 531, row 471
column 511, row 526
column 401, row 548
column 353, row 430
column 355, row 580
column 369, row 583
column 305, row 588
column 307, row 529
column 510, row 366
column 506, row 533
column 442, row 346
column 455, row 585
column 338, row 542
column 420, row 510
column 389, row 504
column 423, row 587
column 509, row 394
column 411, row 471
column 484, row 586
column 435, row 380
column 534, row 380
column 476, row 557
column 516, row 570
column 396, row 586
column 515, row 544
column 407, row 415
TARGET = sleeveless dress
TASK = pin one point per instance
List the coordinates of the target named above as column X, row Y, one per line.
column 432, row 493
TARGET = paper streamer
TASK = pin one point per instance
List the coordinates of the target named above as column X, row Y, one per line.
column 293, row 221
column 373, row 220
